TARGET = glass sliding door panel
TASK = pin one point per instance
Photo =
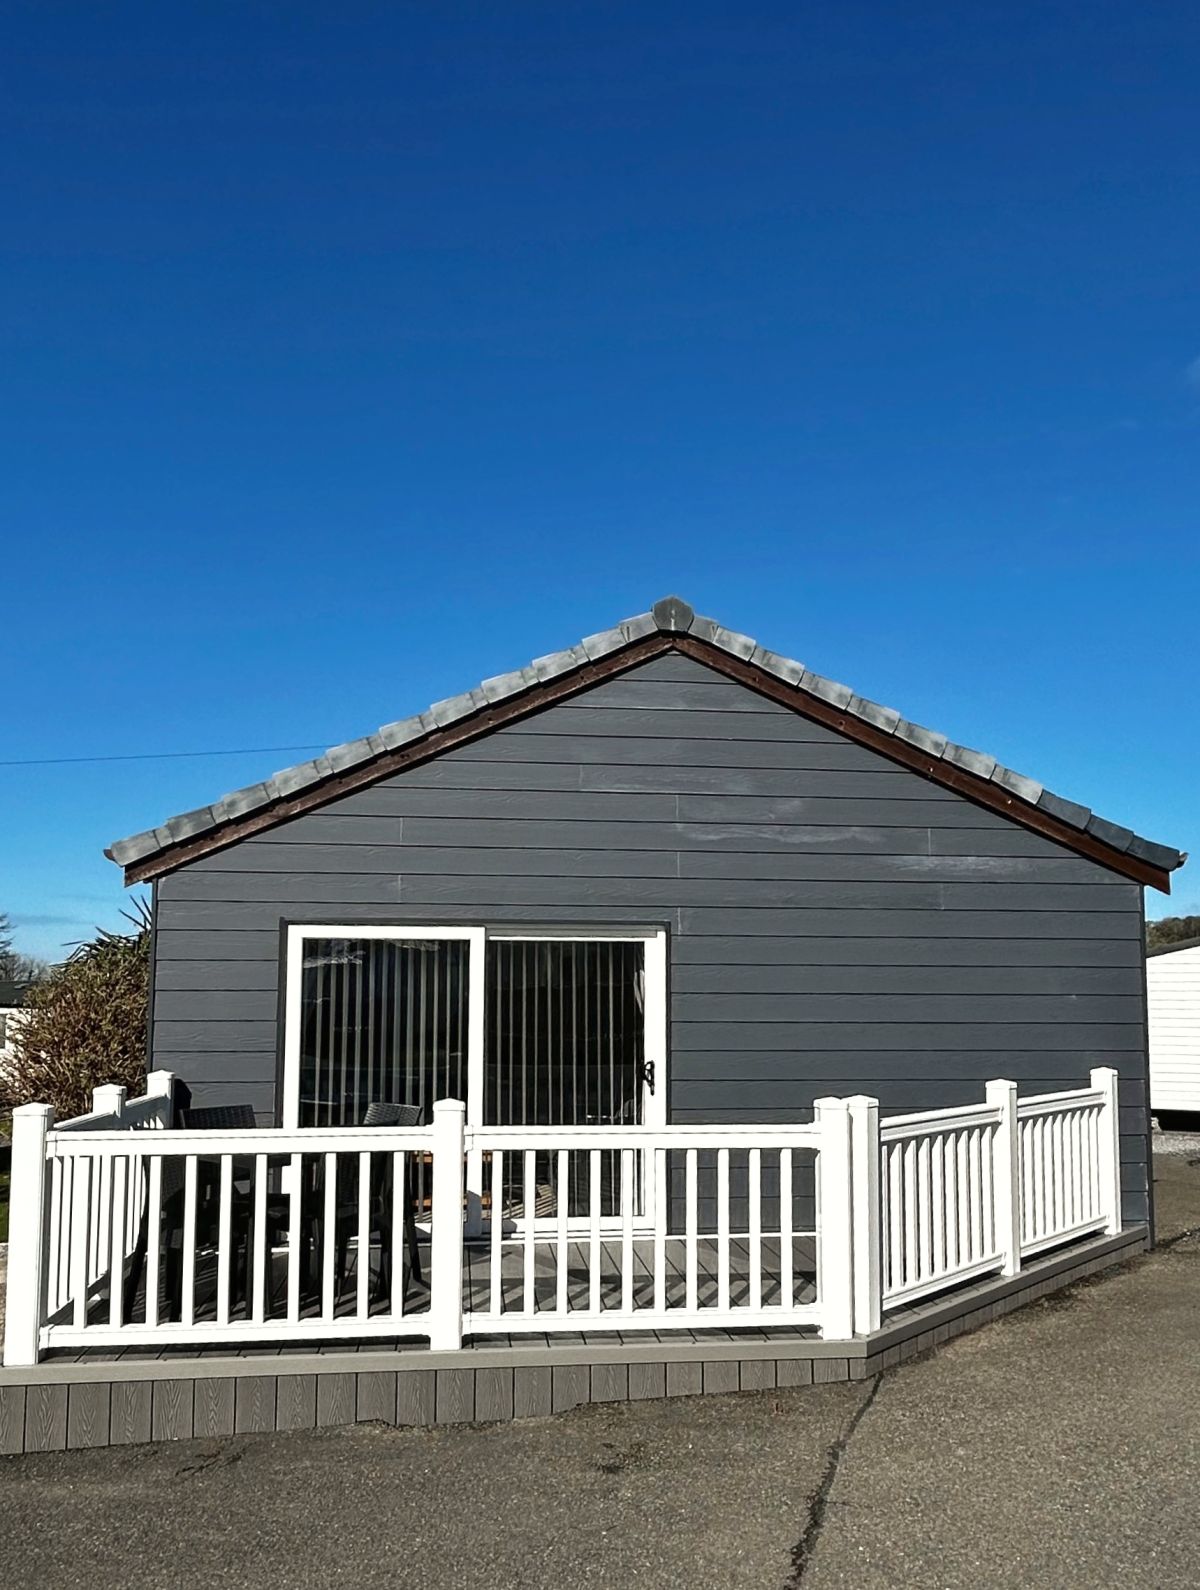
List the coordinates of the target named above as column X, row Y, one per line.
column 565, row 1038
column 564, row 1046
column 381, row 1020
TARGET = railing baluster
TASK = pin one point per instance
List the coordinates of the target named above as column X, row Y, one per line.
column 1040, row 1168
column 261, row 1258
column 363, row 1261
column 723, row 1228
column 754, row 1224
column 53, row 1283
column 937, row 1204
column 594, row 1231
column 68, row 1236
column 963, row 1178
column 950, row 1182
column 224, row 1234
column 398, row 1256
column 496, row 1237
column 153, row 1238
column 662, row 1215
column 329, row 1238
column 924, row 1206
column 787, row 1281
column 690, row 1229
column 529, row 1203
column 977, row 1224
column 627, row 1230
column 293, row 1255
column 81, row 1233
column 912, row 1271
column 187, row 1312
column 116, row 1241
column 562, row 1248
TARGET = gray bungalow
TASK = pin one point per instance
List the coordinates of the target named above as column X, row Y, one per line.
column 663, row 877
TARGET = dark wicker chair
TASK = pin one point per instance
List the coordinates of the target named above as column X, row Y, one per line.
column 231, row 1118
column 381, row 1114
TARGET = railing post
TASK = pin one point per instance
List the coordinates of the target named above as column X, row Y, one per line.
column 109, row 1099
column 27, row 1234
column 161, row 1085
column 835, row 1220
column 446, row 1239
column 1006, row 1175
column 864, row 1171
column 1104, row 1080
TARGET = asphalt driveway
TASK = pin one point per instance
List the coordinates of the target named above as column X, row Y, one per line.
column 1058, row 1447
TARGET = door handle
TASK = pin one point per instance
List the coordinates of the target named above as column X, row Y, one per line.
column 648, row 1074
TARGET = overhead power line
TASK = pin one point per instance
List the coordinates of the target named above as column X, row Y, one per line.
column 157, row 756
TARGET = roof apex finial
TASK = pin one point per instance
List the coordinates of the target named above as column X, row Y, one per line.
column 672, row 612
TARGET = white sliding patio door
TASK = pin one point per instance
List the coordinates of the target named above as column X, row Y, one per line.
column 529, row 1028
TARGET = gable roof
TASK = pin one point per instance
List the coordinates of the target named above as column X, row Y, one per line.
column 671, row 625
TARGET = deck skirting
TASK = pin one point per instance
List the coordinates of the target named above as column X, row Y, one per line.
column 91, row 1401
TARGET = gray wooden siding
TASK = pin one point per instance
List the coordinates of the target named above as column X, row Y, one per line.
column 837, row 923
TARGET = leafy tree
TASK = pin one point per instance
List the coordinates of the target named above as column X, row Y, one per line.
column 1171, row 930
column 86, row 1023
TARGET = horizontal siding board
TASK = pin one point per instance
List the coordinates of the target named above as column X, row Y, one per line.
column 1054, row 952
column 968, row 1037
column 578, row 903
column 670, row 778
column 900, row 1009
column 704, row 694
column 799, row 981
column 589, row 892
column 636, row 806
column 556, row 861
column 526, row 748
column 919, row 924
column 1035, row 1070
column 712, row 722
column 180, row 1004
column 731, row 835
column 406, row 800
column 750, row 1098
column 212, row 946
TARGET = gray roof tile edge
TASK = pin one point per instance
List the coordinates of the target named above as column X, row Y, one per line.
column 670, row 615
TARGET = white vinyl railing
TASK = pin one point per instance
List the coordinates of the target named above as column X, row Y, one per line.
column 698, row 1226
column 1070, row 1155
column 965, row 1192
column 126, row 1231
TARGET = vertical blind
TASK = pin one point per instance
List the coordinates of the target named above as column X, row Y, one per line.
column 386, row 1019
column 381, row 1019
column 565, row 1033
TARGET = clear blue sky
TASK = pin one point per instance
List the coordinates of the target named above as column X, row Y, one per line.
column 353, row 353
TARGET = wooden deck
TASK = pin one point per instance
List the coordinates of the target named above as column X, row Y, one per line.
column 477, row 1298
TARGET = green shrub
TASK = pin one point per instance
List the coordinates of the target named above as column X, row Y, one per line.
column 86, row 1024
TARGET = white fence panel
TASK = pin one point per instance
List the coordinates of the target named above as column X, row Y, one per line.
column 1070, row 1164
column 219, row 1250
column 938, row 1218
column 587, row 1229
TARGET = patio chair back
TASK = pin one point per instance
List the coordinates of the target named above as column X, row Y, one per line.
column 220, row 1117
column 381, row 1114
